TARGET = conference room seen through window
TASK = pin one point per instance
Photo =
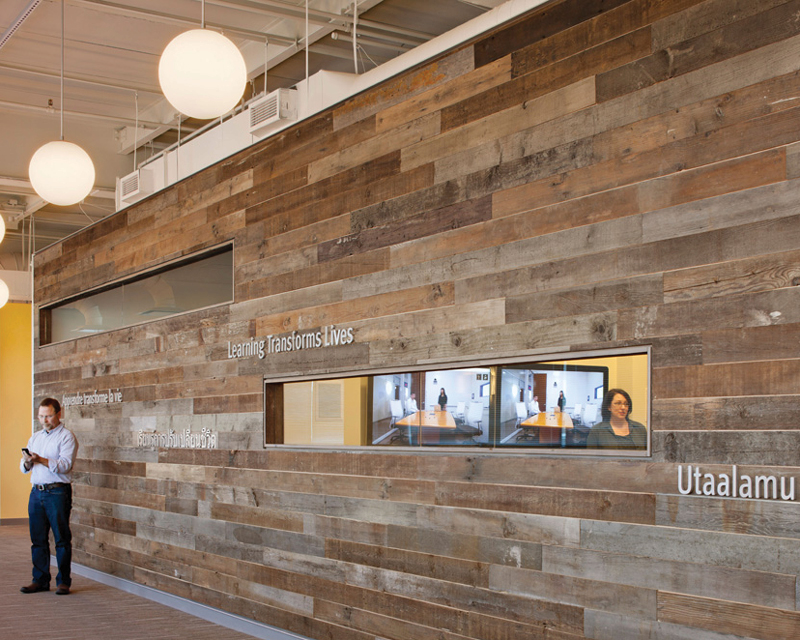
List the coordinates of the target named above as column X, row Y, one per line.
column 588, row 403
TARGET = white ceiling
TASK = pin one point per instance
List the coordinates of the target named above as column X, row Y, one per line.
column 111, row 80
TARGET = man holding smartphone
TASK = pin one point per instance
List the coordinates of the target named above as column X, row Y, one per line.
column 49, row 458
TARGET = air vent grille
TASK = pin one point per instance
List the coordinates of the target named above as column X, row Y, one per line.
column 129, row 185
column 270, row 111
column 264, row 110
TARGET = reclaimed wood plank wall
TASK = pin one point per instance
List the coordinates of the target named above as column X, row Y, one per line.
column 601, row 173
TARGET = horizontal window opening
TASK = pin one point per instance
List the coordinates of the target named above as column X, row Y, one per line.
column 597, row 404
column 194, row 283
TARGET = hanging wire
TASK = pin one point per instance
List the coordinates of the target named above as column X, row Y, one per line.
column 31, row 231
column 62, row 68
column 97, row 206
column 80, row 206
column 307, row 99
column 178, row 152
column 23, row 244
column 363, row 52
column 136, row 131
column 355, row 35
column 266, row 63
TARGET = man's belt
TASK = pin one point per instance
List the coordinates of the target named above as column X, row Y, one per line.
column 52, row 485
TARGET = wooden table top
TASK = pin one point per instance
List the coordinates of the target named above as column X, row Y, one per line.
column 437, row 419
column 549, row 420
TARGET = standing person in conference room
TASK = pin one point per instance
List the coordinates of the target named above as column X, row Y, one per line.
column 442, row 401
column 49, row 458
column 562, row 402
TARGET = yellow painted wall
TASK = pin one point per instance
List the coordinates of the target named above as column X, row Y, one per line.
column 302, row 426
column 355, row 411
column 16, row 400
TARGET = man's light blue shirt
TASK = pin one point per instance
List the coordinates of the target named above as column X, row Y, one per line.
column 60, row 447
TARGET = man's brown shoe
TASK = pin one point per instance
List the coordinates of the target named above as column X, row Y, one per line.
column 34, row 587
column 62, row 590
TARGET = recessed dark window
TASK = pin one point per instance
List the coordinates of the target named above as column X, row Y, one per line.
column 188, row 285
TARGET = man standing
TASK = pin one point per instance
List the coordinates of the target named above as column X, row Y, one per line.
column 49, row 457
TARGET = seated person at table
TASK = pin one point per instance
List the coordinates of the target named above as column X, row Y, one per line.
column 411, row 405
column 617, row 431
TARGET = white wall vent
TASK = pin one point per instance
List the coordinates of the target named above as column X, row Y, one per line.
column 266, row 112
column 135, row 186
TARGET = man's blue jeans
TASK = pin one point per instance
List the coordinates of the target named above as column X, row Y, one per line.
column 50, row 509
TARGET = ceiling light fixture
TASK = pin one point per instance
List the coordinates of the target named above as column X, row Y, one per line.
column 4, row 293
column 61, row 172
column 202, row 73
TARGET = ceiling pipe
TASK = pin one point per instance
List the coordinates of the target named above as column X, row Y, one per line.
column 96, row 83
column 15, row 106
column 22, row 17
column 112, row 7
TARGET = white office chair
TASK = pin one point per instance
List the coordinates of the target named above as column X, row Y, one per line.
column 397, row 410
column 461, row 409
column 590, row 414
column 397, row 413
column 475, row 414
column 577, row 413
column 522, row 413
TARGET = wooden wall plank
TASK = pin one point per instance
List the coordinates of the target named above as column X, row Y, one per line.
column 587, row 63
column 600, row 28
column 557, row 502
column 723, row 413
column 739, row 37
column 752, row 517
column 511, row 341
column 543, row 23
column 398, row 90
column 369, row 307
column 725, row 617
column 431, row 223
column 633, row 601
column 751, row 310
column 692, row 578
column 457, row 89
column 610, row 626
column 400, row 137
column 746, row 378
column 752, row 553
column 752, row 447
column 494, row 127
column 735, row 277
column 633, row 292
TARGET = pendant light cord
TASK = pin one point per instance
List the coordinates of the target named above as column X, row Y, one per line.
column 306, row 43
column 202, row 14
column 355, row 35
column 63, row 2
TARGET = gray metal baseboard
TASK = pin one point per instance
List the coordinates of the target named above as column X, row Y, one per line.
column 204, row 612
column 13, row 522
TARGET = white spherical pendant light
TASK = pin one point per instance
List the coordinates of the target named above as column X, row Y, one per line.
column 2, row 228
column 4, row 293
column 61, row 173
column 202, row 74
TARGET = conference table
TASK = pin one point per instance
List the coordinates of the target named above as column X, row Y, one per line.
column 434, row 419
column 548, row 425
column 432, row 427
